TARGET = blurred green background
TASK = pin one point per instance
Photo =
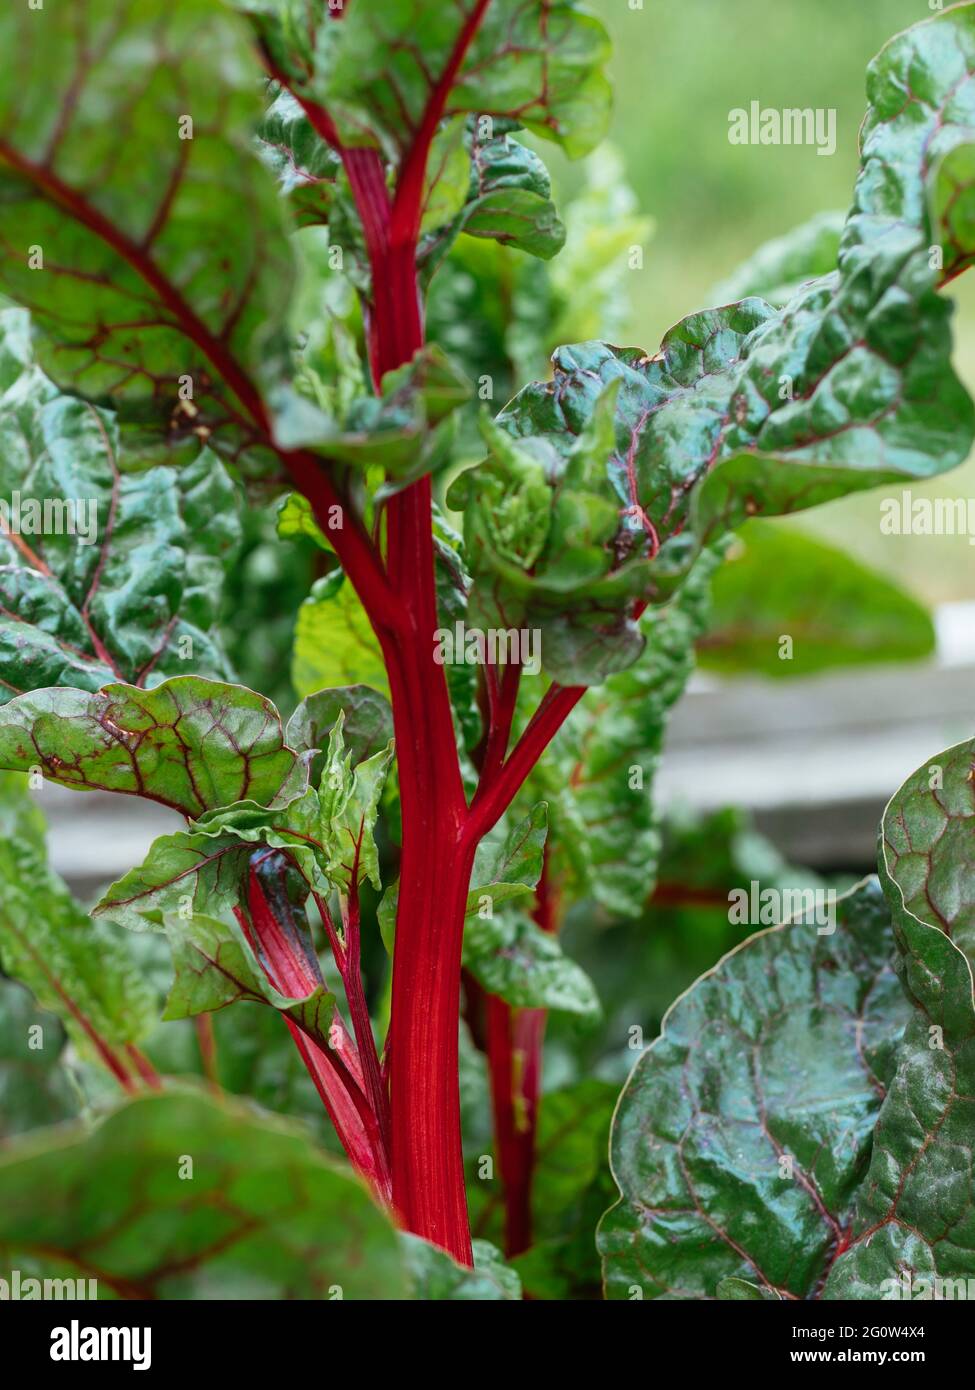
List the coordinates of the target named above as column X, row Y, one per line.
column 679, row 67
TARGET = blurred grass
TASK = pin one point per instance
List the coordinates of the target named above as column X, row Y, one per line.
column 678, row 69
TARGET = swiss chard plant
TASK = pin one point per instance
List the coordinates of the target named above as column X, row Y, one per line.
column 270, row 267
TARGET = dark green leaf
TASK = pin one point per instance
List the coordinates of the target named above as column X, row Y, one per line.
column 743, row 1134
column 914, row 1221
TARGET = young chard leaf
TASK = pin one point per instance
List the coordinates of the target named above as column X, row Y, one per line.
column 215, row 965
column 349, row 797
column 746, row 409
column 514, row 959
column 367, row 724
column 308, row 171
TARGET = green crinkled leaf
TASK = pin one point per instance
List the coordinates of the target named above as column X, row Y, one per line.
column 783, row 1052
column 35, row 1088
column 435, row 1276
column 263, row 1217
column 922, row 113
column 780, row 583
column 407, row 430
column 75, row 968
column 778, row 268
column 513, row 958
column 367, row 724
column 914, row 1220
column 122, row 309
column 308, row 170
column 349, row 797
column 746, row 409
column 511, row 199
column 508, row 863
column 505, row 196
column 190, row 743
column 104, row 574
column 334, row 642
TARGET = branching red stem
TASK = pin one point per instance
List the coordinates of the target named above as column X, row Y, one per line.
column 493, row 799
